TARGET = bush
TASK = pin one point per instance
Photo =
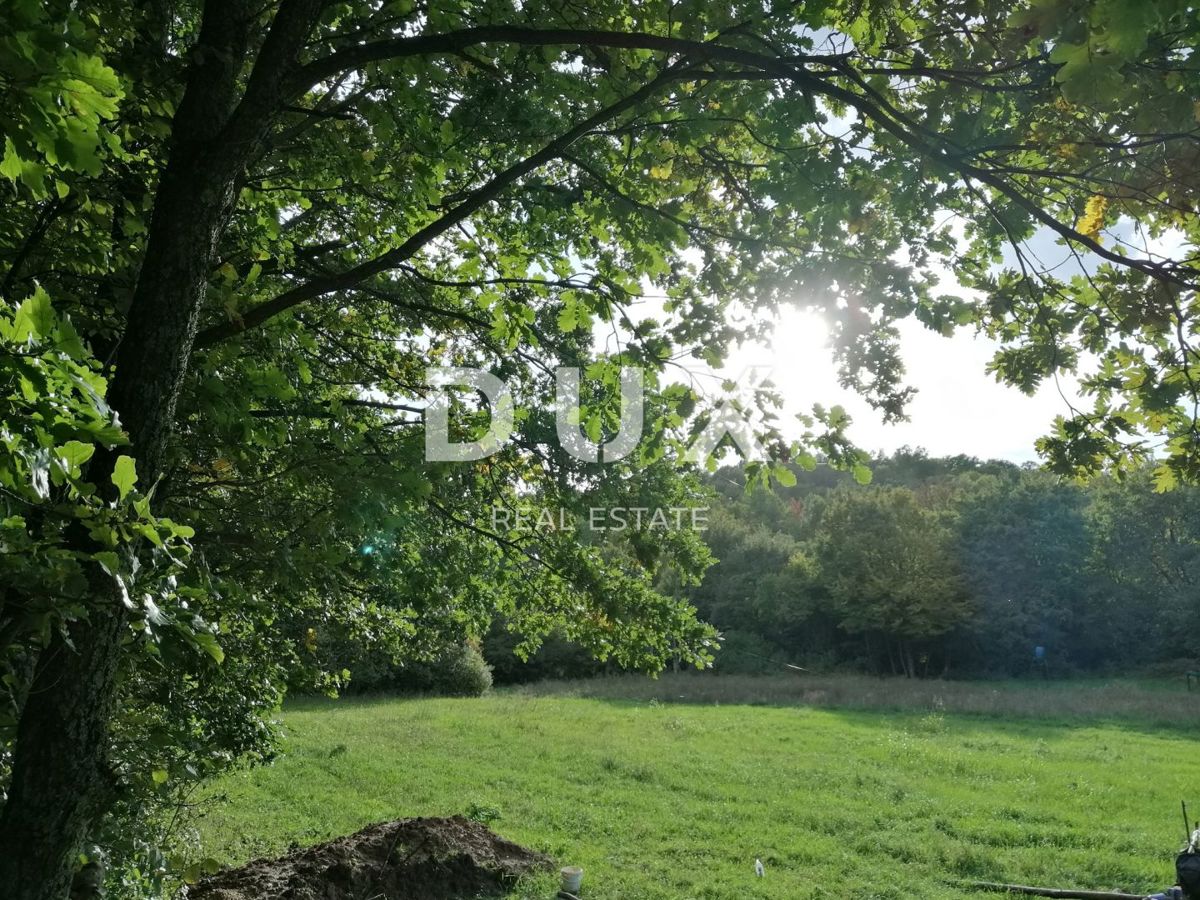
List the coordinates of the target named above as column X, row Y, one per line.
column 459, row 671
column 462, row 672
column 343, row 665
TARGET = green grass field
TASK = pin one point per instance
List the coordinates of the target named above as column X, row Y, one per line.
column 676, row 800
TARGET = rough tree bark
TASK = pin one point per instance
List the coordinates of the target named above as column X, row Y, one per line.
column 61, row 778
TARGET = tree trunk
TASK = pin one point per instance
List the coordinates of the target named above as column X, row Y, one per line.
column 60, row 777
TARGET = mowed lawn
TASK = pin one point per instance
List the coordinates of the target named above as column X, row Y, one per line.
column 663, row 800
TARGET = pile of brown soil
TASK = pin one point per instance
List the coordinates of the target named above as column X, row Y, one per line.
column 410, row 859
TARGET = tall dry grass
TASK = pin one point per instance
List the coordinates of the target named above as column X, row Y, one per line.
column 1157, row 703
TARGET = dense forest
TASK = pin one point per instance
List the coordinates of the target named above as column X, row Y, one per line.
column 954, row 566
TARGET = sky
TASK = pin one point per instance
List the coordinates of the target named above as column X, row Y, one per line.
column 959, row 407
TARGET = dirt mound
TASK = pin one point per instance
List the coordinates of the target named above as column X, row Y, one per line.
column 410, row 859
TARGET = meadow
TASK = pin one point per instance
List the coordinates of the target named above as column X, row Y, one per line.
column 672, row 788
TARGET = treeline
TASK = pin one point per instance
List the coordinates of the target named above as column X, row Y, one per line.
column 954, row 566
column 940, row 567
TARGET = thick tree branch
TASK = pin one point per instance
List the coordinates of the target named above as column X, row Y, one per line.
column 267, row 88
column 454, row 42
column 319, row 287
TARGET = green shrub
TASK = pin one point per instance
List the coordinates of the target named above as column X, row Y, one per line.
column 462, row 672
column 459, row 671
column 342, row 664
